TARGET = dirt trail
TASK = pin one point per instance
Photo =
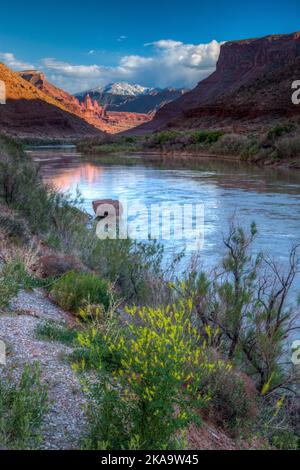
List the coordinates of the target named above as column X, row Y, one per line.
column 65, row 420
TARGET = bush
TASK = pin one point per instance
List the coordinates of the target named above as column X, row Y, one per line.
column 22, row 409
column 135, row 267
column 233, row 400
column 164, row 137
column 22, row 189
column 289, row 147
column 72, row 291
column 14, row 227
column 280, row 129
column 285, row 440
column 14, row 276
column 156, row 391
column 231, row 144
column 205, row 137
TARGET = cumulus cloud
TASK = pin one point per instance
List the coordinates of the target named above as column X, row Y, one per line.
column 71, row 70
column 166, row 63
column 10, row 60
column 170, row 63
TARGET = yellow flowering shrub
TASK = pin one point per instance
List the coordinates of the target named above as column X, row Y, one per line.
column 157, row 382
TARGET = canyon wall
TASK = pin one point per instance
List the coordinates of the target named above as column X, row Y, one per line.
column 252, row 80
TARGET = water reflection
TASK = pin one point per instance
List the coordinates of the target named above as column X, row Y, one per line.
column 271, row 198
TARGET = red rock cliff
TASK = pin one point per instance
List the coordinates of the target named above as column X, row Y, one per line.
column 253, row 77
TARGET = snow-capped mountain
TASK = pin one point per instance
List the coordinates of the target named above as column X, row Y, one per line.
column 126, row 97
column 125, row 89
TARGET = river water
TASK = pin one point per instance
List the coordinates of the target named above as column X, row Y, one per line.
column 271, row 198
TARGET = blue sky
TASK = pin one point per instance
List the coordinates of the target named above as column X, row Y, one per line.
column 83, row 44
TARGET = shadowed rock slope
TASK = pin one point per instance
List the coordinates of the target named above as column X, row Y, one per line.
column 29, row 112
column 252, row 82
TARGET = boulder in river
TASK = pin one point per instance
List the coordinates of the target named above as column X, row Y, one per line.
column 107, row 207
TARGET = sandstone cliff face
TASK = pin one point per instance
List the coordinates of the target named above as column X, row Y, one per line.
column 253, row 79
column 30, row 112
column 89, row 110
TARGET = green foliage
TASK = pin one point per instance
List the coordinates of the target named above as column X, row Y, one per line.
column 14, row 276
column 51, row 331
column 285, row 440
column 156, row 391
column 108, row 144
column 10, row 145
column 73, row 290
column 248, row 302
column 13, row 227
column 22, row 409
column 134, row 266
column 288, row 147
column 161, row 138
column 232, row 405
column 22, row 189
column 280, row 129
column 205, row 137
column 231, row 144
column 114, row 148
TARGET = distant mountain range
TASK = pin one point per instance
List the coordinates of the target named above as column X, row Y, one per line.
column 132, row 98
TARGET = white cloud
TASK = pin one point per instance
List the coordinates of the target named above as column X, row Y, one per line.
column 164, row 44
column 121, row 38
column 64, row 68
column 10, row 60
column 168, row 63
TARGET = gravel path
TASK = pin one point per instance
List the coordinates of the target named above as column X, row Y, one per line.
column 34, row 303
column 65, row 421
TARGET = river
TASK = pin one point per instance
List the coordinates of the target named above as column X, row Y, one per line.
column 269, row 197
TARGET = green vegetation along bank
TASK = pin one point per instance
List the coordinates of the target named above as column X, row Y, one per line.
column 276, row 145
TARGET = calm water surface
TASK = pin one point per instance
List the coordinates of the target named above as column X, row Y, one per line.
column 268, row 197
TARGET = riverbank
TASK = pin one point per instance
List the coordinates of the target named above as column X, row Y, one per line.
column 277, row 146
column 136, row 335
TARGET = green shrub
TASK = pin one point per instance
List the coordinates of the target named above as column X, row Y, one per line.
column 14, row 227
column 72, row 291
column 135, row 267
column 206, row 137
column 285, row 440
column 280, row 129
column 10, row 145
column 164, row 137
column 22, row 409
column 231, row 144
column 288, row 147
column 233, row 400
column 13, row 277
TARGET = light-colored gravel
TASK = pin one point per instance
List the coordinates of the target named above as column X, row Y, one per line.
column 65, row 421
column 34, row 303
